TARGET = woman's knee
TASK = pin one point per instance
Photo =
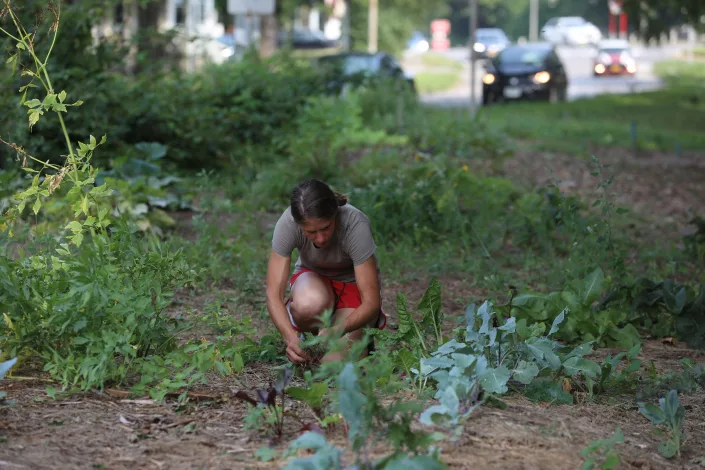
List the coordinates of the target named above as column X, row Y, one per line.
column 306, row 308
column 309, row 300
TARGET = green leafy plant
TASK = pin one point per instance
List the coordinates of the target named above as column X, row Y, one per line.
column 90, row 300
column 613, row 377
column 369, row 419
column 77, row 170
column 416, row 339
column 690, row 380
column 587, row 321
column 695, row 241
column 313, row 395
column 602, row 454
column 498, row 353
column 667, row 307
column 669, row 414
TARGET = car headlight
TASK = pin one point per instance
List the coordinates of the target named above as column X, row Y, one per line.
column 479, row 47
column 488, row 79
column 599, row 68
column 542, row 77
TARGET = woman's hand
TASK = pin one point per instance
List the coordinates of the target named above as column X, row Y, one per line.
column 293, row 350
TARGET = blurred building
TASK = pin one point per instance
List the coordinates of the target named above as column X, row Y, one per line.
column 191, row 29
column 198, row 34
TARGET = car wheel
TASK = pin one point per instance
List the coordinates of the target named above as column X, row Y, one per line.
column 486, row 99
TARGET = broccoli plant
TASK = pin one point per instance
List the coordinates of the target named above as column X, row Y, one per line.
column 669, row 414
column 497, row 353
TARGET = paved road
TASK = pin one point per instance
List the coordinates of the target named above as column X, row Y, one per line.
column 578, row 64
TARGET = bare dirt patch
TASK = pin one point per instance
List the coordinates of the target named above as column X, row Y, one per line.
column 97, row 430
column 659, row 186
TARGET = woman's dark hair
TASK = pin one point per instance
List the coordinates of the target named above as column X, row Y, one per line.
column 313, row 199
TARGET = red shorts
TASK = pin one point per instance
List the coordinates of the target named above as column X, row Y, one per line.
column 347, row 295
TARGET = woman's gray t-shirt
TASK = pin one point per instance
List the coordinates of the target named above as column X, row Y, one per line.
column 351, row 244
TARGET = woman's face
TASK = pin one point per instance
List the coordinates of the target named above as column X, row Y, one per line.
column 319, row 231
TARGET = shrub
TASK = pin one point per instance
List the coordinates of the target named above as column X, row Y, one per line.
column 90, row 315
column 430, row 201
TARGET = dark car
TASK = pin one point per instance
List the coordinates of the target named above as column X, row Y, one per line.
column 526, row 71
column 489, row 42
column 305, row 39
column 352, row 69
column 614, row 57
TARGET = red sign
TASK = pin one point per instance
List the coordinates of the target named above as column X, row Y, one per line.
column 440, row 30
column 615, row 6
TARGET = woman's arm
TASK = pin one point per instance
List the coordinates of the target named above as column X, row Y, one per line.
column 368, row 284
column 277, row 275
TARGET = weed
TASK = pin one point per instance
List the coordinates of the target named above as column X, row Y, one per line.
column 601, row 454
column 369, row 419
column 669, row 414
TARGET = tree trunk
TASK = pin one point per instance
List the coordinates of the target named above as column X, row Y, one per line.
column 269, row 34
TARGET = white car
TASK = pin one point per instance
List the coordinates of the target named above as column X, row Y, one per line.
column 571, row 30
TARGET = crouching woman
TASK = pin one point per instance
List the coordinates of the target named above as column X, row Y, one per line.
column 336, row 270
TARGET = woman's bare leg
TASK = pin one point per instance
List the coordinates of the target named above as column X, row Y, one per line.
column 310, row 297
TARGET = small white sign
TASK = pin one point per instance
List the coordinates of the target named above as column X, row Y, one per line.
column 512, row 92
column 251, row 7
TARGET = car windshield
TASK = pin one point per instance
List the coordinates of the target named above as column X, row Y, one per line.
column 522, row 55
column 614, row 50
column 486, row 36
column 489, row 38
column 353, row 64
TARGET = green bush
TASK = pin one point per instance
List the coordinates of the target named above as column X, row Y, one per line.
column 446, row 132
column 431, row 200
column 208, row 119
column 90, row 315
column 327, row 135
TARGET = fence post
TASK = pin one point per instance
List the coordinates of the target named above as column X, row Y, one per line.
column 635, row 143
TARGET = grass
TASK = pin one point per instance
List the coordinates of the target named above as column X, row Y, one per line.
column 663, row 119
column 434, row 82
column 439, row 73
column 434, row 60
column 682, row 74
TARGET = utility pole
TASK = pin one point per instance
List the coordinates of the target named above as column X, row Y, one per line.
column 345, row 36
column 533, row 20
column 372, row 24
column 471, row 46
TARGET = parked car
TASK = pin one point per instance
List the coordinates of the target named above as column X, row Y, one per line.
column 351, row 69
column 489, row 42
column 305, row 39
column 418, row 42
column 525, row 71
column 614, row 57
column 571, row 30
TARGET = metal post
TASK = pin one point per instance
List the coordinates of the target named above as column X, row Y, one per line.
column 534, row 20
column 471, row 45
column 345, row 36
column 372, row 22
